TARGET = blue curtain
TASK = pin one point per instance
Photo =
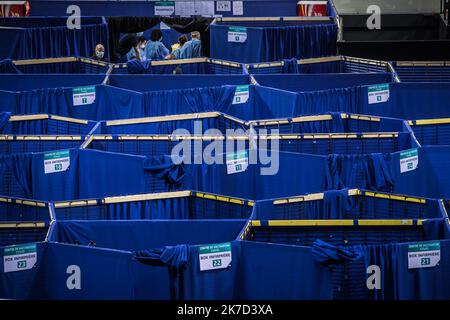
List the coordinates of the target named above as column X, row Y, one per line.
column 114, row 174
column 175, row 258
column 164, row 168
column 16, row 175
column 330, row 255
column 47, row 37
column 269, row 103
column 370, row 172
column 322, row 67
column 340, row 99
column 400, row 283
column 140, row 235
column 298, row 42
column 290, row 66
column 110, row 103
column 4, row 120
column 7, row 66
column 275, row 43
column 158, row 103
column 138, row 67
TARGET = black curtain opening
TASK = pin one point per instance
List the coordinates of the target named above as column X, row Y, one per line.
column 118, row 25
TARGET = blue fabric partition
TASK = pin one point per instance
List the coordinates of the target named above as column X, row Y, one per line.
column 49, row 37
column 300, row 170
column 422, row 72
column 23, row 175
column 85, row 66
column 377, row 172
column 168, row 127
column 8, row 66
column 317, row 82
column 406, row 101
column 110, row 103
column 272, row 279
column 274, row 41
column 146, row 67
column 8, row 100
column 193, row 206
column 144, row 83
column 332, row 100
column 271, row 103
column 415, row 284
column 25, row 82
column 128, row 278
column 194, row 100
column 370, row 172
column 140, row 235
column 430, row 179
column 338, row 204
column 14, row 210
column 46, row 126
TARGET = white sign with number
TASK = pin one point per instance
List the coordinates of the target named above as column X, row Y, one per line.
column 215, row 256
column 378, row 93
column 83, row 95
column 164, row 8
column 241, row 94
column 56, row 161
column 237, row 162
column 424, row 254
column 19, row 258
column 409, row 160
column 237, row 34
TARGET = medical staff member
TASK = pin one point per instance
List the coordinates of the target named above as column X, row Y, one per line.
column 192, row 48
column 99, row 54
column 155, row 49
column 141, row 45
column 176, row 48
column 129, row 41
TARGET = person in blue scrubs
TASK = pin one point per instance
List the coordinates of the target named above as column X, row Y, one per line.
column 141, row 46
column 176, row 54
column 192, row 48
column 155, row 49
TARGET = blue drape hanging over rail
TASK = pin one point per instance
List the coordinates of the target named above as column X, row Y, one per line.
column 274, row 42
column 49, row 37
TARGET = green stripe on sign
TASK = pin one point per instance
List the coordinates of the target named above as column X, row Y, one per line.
column 56, row 155
column 80, row 90
column 379, row 87
column 238, row 155
column 424, row 246
column 215, row 248
column 165, row 4
column 408, row 153
column 15, row 250
column 243, row 88
column 237, row 29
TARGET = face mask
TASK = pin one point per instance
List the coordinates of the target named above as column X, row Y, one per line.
column 139, row 34
column 160, row 39
column 100, row 54
column 143, row 46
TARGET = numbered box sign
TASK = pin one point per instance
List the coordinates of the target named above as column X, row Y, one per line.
column 378, row 93
column 237, row 162
column 237, row 34
column 19, row 258
column 241, row 94
column 57, row 161
column 424, row 254
column 83, row 95
column 215, row 256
